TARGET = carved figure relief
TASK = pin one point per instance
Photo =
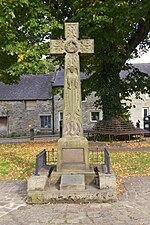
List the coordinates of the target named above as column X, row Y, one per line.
column 72, row 78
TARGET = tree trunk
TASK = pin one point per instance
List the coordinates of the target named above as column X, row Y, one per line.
column 110, row 98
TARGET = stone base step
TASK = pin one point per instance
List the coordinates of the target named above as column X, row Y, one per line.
column 89, row 195
column 72, row 182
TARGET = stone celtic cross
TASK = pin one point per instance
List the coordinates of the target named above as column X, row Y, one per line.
column 71, row 47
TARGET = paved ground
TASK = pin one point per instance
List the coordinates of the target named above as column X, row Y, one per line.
column 26, row 139
column 132, row 207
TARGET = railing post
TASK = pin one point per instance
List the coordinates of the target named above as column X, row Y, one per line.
column 108, row 165
column 52, row 154
column 44, row 158
column 36, row 167
column 107, row 160
column 60, row 127
column 41, row 156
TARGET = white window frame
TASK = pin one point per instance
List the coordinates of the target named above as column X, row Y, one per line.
column 59, row 118
column 91, row 116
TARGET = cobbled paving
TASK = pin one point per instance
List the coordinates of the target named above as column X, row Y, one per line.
column 132, row 207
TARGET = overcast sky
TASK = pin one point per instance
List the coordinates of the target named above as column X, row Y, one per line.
column 145, row 58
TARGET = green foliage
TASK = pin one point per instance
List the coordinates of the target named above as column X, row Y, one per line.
column 25, row 27
column 117, row 28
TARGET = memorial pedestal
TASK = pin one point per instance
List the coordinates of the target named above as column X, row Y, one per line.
column 72, row 154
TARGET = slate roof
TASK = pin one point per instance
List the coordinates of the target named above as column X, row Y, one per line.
column 39, row 87
column 30, row 87
column 143, row 67
column 59, row 80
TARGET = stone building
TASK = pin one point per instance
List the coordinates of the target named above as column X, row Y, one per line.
column 140, row 110
column 27, row 103
column 90, row 113
column 31, row 102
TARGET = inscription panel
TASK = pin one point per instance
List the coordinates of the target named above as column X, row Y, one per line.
column 72, row 155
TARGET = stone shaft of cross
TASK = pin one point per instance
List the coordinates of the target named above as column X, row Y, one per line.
column 71, row 47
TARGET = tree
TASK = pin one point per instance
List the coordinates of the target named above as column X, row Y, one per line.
column 117, row 27
column 25, row 27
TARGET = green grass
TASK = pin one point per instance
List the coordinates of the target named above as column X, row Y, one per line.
column 131, row 163
column 17, row 161
column 4, row 166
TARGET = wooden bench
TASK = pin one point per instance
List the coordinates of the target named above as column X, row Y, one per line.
column 96, row 134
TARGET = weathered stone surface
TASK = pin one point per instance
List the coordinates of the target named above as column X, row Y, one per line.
column 72, row 112
column 37, row 182
column 77, row 196
column 54, row 179
column 76, row 186
column 107, row 181
column 72, row 182
column 77, row 143
column 72, row 155
column 19, row 118
column 72, row 46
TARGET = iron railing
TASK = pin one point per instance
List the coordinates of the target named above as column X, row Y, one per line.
column 95, row 156
column 107, row 160
column 49, row 158
column 98, row 156
column 40, row 161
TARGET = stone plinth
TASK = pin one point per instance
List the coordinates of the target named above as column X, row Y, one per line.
column 107, row 181
column 84, row 188
column 37, row 182
column 72, row 154
column 72, row 182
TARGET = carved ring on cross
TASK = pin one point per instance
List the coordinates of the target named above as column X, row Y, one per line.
column 71, row 46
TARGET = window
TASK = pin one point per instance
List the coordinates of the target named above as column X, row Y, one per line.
column 45, row 121
column 30, row 105
column 94, row 116
column 146, row 111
